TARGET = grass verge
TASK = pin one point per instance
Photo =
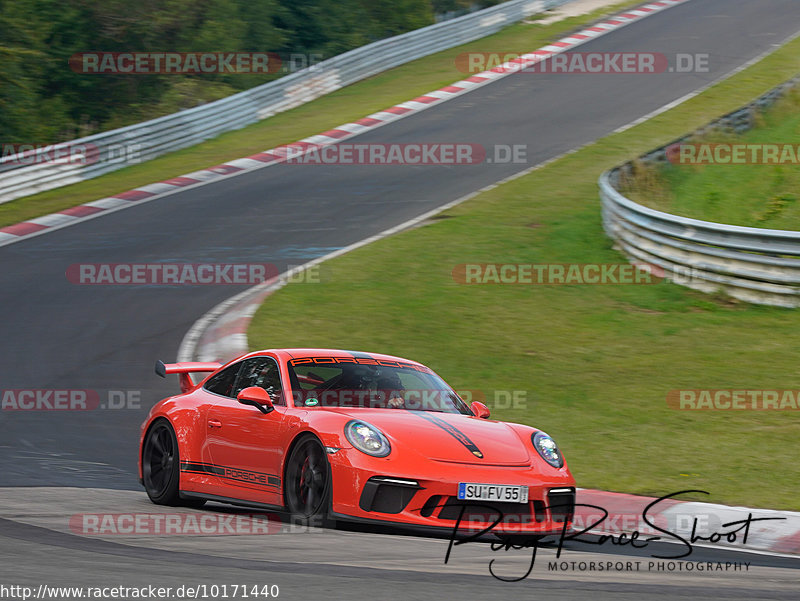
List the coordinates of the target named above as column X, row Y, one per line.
column 752, row 195
column 343, row 106
column 596, row 362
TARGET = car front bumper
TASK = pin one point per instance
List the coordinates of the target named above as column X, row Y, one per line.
column 368, row 489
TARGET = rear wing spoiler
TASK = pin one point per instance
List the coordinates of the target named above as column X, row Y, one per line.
column 184, row 369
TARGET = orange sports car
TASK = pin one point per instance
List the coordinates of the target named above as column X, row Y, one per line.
column 354, row 436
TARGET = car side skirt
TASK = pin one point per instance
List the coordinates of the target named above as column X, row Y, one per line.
column 186, row 494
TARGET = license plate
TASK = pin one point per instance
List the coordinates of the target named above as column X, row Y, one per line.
column 499, row 493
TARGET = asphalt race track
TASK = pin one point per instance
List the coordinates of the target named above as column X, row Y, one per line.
column 37, row 546
column 57, row 335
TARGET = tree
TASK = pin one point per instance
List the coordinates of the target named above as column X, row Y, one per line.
column 43, row 100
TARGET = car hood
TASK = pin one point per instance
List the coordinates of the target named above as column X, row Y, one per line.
column 448, row 437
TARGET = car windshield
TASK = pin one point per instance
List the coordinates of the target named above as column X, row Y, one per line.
column 371, row 383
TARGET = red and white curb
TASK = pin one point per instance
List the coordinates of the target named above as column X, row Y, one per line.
column 221, row 334
column 779, row 536
column 131, row 198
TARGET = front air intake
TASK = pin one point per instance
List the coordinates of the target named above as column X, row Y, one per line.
column 561, row 504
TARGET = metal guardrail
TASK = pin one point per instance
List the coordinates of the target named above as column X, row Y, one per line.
column 760, row 266
column 756, row 265
column 165, row 134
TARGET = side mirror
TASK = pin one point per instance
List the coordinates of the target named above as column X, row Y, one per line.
column 480, row 410
column 257, row 397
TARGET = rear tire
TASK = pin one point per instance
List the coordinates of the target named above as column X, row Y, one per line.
column 161, row 467
column 307, row 483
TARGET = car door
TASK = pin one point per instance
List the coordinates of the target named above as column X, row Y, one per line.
column 200, row 471
column 243, row 444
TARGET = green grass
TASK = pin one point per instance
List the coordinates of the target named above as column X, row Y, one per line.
column 348, row 104
column 752, row 195
column 597, row 362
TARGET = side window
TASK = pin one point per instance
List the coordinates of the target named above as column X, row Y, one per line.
column 222, row 382
column 262, row 372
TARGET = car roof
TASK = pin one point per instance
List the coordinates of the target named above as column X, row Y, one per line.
column 294, row 353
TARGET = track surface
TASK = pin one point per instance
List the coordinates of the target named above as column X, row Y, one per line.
column 317, row 564
column 58, row 335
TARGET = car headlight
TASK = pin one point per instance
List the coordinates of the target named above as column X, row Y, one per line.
column 548, row 449
column 367, row 438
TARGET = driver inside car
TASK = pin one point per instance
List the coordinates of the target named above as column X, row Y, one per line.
column 390, row 385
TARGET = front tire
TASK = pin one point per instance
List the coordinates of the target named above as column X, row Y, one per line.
column 161, row 467
column 308, row 482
